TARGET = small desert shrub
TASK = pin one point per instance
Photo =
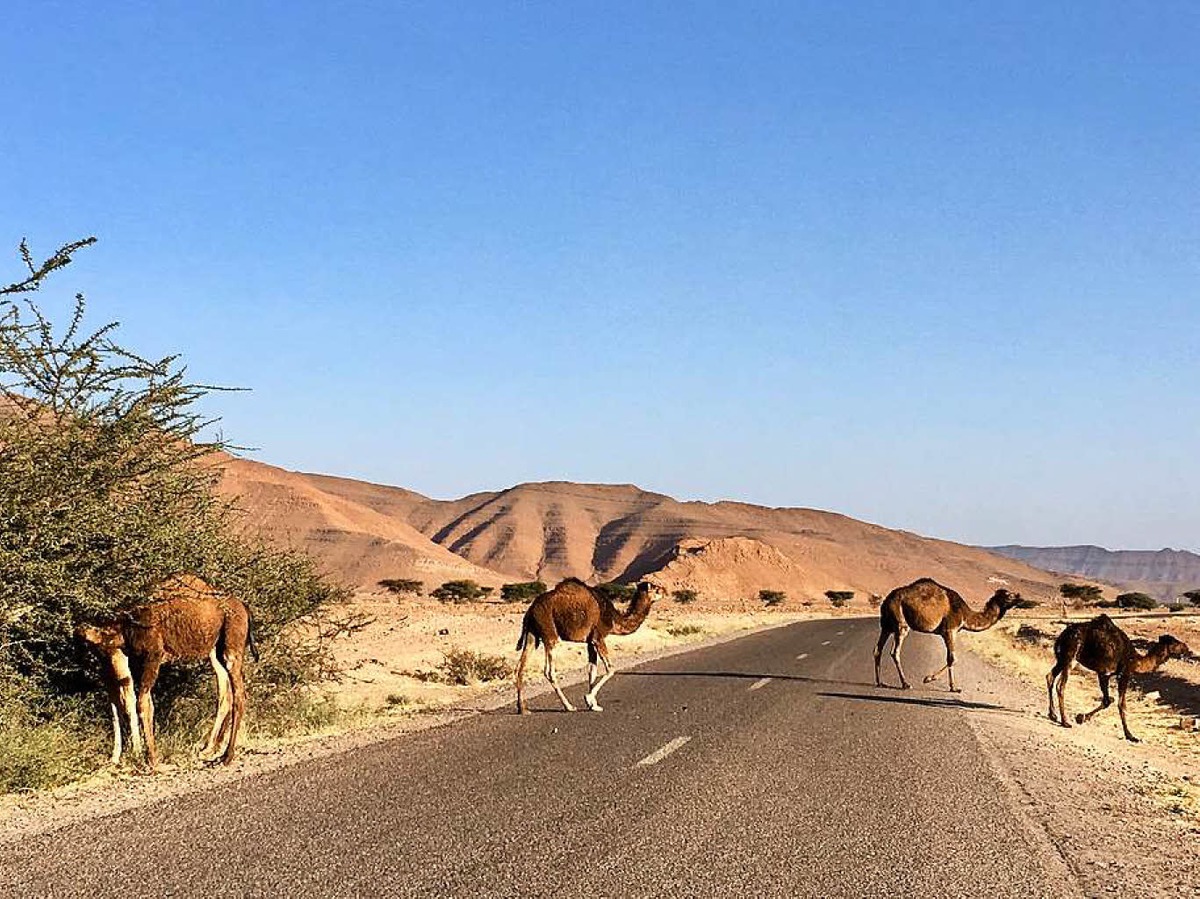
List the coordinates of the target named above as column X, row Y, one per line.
column 684, row 630
column 1028, row 604
column 401, row 586
column 527, row 591
column 1028, row 633
column 458, row 591
column 685, row 597
column 1176, row 607
column 397, row 700
column 616, row 592
column 839, row 598
column 465, row 666
column 772, row 597
column 1136, row 601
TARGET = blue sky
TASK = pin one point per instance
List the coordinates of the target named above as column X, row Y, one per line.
column 933, row 265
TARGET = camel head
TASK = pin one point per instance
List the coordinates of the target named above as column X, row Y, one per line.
column 1005, row 599
column 1172, row 648
column 102, row 638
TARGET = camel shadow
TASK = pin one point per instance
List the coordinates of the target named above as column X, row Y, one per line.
column 932, row 702
column 1181, row 695
column 742, row 675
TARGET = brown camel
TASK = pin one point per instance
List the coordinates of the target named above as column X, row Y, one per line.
column 929, row 608
column 575, row 612
column 1106, row 649
column 188, row 619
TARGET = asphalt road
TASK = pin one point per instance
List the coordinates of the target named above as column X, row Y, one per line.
column 766, row 766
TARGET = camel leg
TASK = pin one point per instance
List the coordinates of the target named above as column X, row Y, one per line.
column 1051, row 677
column 126, row 700
column 115, row 758
column 1062, row 689
column 522, row 709
column 602, row 651
column 901, row 633
column 948, row 639
column 237, row 687
column 883, row 638
column 1105, row 700
column 1122, row 686
column 224, row 708
column 145, row 706
column 562, row 697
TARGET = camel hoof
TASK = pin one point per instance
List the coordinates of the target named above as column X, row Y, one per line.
column 906, row 686
column 569, row 708
column 596, row 708
column 956, row 689
column 521, row 710
column 1132, row 739
column 1080, row 718
column 930, row 679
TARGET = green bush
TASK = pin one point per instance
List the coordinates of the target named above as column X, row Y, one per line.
column 464, row 666
column 527, row 591
column 772, row 597
column 616, row 592
column 685, row 597
column 684, row 630
column 1085, row 594
column 1136, row 601
column 458, row 592
column 401, row 586
column 1176, row 607
column 107, row 488
column 1028, row 604
column 1192, row 596
column 839, row 597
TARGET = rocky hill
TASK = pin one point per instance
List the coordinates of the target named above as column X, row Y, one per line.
column 1163, row 573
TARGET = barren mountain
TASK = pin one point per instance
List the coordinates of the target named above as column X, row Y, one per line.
column 1163, row 573
column 601, row 532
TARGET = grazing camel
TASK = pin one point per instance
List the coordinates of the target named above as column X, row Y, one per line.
column 1106, row 649
column 575, row 612
column 929, row 608
column 188, row 619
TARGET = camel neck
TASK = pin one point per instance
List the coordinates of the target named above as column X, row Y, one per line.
column 982, row 620
column 1149, row 662
column 633, row 618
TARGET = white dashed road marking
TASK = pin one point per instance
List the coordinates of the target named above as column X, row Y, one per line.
column 803, row 655
column 760, row 683
column 824, row 642
column 662, row 752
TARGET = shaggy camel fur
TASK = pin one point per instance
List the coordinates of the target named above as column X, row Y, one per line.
column 575, row 612
column 929, row 608
column 188, row 620
column 1106, row 649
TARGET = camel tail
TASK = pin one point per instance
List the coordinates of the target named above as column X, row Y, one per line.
column 528, row 632
column 250, row 634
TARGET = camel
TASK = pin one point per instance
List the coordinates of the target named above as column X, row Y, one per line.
column 929, row 608
column 188, row 619
column 576, row 613
column 1106, row 649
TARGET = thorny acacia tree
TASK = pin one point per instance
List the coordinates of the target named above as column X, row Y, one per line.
column 107, row 486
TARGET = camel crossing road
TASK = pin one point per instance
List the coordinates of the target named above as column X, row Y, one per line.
column 766, row 766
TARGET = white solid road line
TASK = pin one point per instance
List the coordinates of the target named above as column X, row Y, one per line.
column 662, row 752
column 760, row 683
column 803, row 655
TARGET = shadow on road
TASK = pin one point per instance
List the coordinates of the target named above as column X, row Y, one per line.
column 933, row 702
column 742, row 675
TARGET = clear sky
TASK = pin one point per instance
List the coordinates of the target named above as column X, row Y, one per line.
column 935, row 265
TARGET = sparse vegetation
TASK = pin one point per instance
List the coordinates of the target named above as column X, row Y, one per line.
column 616, row 592
column 772, row 598
column 839, row 598
column 107, row 487
column 1192, row 596
column 465, row 666
column 1176, row 607
column 685, row 597
column 402, row 586
column 1028, row 604
column 526, row 592
column 458, row 591
column 684, row 630
column 1136, row 601
column 1081, row 594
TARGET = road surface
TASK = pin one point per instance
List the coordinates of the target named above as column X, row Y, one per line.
column 765, row 766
